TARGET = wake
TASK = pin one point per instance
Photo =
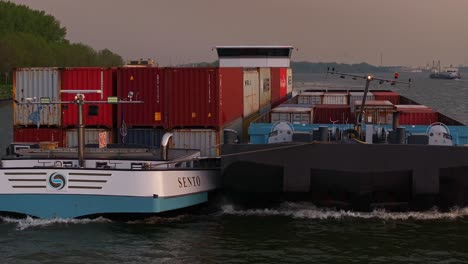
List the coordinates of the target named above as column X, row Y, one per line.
column 29, row 222
column 309, row 211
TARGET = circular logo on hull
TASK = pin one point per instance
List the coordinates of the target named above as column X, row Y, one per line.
column 57, row 181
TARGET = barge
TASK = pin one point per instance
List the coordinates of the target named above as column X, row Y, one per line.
column 375, row 155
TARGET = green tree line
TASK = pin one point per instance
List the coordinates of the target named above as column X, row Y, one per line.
column 321, row 67
column 31, row 38
column 314, row 67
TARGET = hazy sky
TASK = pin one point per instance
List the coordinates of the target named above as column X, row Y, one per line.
column 405, row 32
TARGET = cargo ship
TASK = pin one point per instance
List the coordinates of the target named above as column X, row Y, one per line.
column 350, row 149
column 272, row 146
column 446, row 73
column 113, row 182
column 42, row 180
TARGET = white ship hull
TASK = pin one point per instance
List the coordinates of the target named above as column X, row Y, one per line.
column 29, row 188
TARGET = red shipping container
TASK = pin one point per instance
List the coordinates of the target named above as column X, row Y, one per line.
column 147, row 84
column 393, row 97
column 279, row 88
column 87, row 79
column 416, row 115
column 418, row 118
column 231, row 89
column 328, row 113
column 203, row 97
column 36, row 135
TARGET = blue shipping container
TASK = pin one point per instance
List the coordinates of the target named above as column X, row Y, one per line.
column 142, row 136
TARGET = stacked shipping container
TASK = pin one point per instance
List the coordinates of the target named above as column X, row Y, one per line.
column 416, row 115
column 289, row 79
column 329, row 113
column 230, row 95
column 208, row 141
column 393, row 97
column 203, row 97
column 36, row 135
column 335, row 98
column 30, row 83
column 35, row 123
column 358, row 96
column 251, row 92
column 279, row 86
column 202, row 102
column 147, row 84
column 376, row 111
column 143, row 136
column 265, row 89
column 174, row 98
column 310, row 98
column 293, row 113
column 99, row 115
column 70, row 137
column 53, row 119
column 98, row 79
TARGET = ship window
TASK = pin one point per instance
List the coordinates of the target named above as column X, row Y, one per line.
column 254, row 52
column 136, row 166
column 93, row 110
column 102, row 165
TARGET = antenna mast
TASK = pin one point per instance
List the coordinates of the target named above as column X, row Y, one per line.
column 369, row 78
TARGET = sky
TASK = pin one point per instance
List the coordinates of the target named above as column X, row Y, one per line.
column 379, row 32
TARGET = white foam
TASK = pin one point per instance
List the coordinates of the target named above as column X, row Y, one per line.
column 29, row 222
column 309, row 211
column 159, row 220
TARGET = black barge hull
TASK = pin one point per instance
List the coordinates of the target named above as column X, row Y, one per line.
column 347, row 176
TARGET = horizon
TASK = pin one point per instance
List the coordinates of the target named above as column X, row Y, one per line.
column 413, row 33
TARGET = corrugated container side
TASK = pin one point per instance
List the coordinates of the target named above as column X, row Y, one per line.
column 147, row 84
column 413, row 108
column 378, row 116
column 192, row 95
column 325, row 114
column 295, row 116
column 91, row 136
column 358, row 96
column 230, row 94
column 37, row 135
column 393, row 97
column 418, row 117
column 206, row 140
column 251, row 92
column 278, row 85
column 335, row 98
column 265, row 87
column 36, row 82
column 87, row 79
column 143, row 136
column 289, row 78
column 311, row 99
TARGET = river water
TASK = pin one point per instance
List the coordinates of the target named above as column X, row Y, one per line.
column 290, row 233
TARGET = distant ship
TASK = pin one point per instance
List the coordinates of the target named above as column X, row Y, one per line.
column 447, row 73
